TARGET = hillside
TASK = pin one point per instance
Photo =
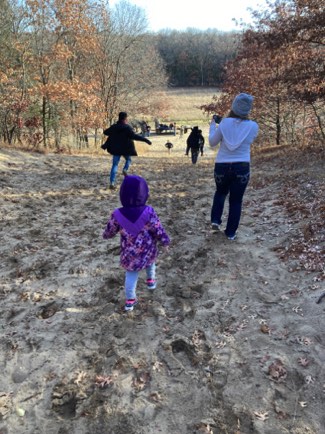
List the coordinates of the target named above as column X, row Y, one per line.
column 232, row 340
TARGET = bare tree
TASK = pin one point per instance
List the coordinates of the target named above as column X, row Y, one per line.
column 131, row 66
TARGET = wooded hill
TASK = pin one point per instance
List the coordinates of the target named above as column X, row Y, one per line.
column 68, row 67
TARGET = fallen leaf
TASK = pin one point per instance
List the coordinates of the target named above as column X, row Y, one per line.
column 5, row 404
column 277, row 371
column 260, row 415
column 37, row 297
column 303, row 362
column 264, row 359
column 154, row 396
column 204, row 428
column 242, row 325
column 141, row 381
column 103, row 381
column 221, row 344
column 156, row 366
column 298, row 310
column 307, row 341
column 24, row 296
column 309, row 379
column 80, row 378
column 265, row 329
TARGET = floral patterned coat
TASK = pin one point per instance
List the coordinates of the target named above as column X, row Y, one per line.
column 138, row 252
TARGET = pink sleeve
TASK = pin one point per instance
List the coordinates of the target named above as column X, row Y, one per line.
column 157, row 230
column 112, row 228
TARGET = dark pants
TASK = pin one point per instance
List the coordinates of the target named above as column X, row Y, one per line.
column 230, row 178
column 194, row 155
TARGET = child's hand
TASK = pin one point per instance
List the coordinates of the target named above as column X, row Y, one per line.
column 165, row 250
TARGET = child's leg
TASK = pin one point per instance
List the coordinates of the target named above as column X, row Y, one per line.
column 151, row 276
column 131, row 279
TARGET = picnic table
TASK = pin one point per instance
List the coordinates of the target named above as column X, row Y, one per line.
column 164, row 128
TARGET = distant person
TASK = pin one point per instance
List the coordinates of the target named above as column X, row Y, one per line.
column 195, row 144
column 120, row 142
column 235, row 134
column 169, row 146
column 144, row 128
column 140, row 230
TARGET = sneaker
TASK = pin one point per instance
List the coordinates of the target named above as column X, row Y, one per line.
column 125, row 172
column 129, row 304
column 232, row 238
column 215, row 226
column 112, row 187
column 151, row 283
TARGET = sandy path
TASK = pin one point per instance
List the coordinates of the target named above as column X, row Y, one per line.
column 231, row 342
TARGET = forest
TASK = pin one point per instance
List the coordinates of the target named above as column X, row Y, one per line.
column 68, row 67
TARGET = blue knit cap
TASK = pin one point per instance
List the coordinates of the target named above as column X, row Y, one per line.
column 242, row 104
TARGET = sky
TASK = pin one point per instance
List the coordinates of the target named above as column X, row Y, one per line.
column 199, row 14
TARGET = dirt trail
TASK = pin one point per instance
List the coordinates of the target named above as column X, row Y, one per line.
column 232, row 341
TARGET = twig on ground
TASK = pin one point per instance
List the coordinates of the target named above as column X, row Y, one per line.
column 320, row 298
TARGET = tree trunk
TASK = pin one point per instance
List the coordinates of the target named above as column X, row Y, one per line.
column 319, row 120
column 44, row 122
column 278, row 123
column 202, row 73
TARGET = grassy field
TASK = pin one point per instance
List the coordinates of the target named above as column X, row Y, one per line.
column 184, row 109
column 184, row 104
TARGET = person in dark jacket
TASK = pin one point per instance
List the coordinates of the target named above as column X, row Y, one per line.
column 120, row 142
column 195, row 143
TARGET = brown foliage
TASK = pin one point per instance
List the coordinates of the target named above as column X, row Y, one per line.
column 280, row 62
column 73, row 70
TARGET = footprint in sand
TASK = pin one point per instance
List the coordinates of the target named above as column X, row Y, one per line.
column 48, row 310
column 185, row 352
column 64, row 400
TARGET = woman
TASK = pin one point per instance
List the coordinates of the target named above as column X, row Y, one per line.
column 235, row 134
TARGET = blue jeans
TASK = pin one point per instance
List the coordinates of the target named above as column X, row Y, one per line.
column 230, row 178
column 116, row 160
column 131, row 280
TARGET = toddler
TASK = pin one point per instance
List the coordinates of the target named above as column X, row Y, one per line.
column 169, row 146
column 140, row 230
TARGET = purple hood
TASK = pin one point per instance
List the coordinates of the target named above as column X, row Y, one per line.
column 134, row 214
